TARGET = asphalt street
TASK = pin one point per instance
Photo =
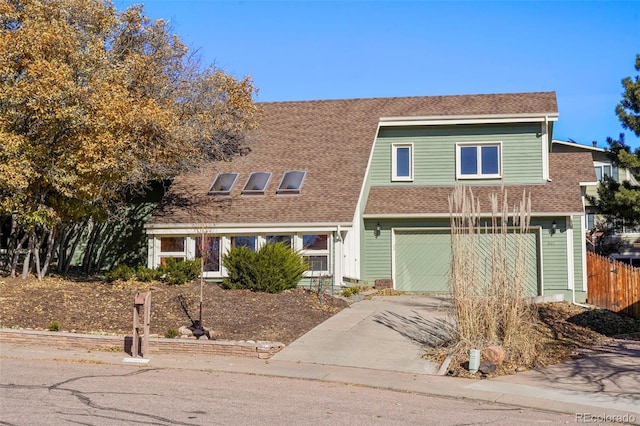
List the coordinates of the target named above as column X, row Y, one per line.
column 45, row 392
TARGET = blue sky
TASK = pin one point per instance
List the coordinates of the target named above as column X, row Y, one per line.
column 352, row 49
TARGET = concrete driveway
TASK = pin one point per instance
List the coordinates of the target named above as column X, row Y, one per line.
column 383, row 333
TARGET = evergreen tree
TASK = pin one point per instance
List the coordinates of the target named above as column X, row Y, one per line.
column 620, row 201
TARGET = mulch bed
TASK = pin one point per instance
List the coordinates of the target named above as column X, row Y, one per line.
column 107, row 308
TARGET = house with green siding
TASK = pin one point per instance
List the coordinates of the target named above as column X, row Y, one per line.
column 361, row 187
column 625, row 238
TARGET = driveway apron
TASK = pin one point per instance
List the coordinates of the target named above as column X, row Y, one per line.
column 382, row 333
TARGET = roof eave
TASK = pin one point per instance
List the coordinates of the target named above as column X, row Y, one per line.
column 467, row 119
column 579, row 146
column 447, row 215
column 244, row 226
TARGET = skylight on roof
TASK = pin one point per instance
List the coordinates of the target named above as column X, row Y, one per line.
column 257, row 183
column 291, row 183
column 223, row 183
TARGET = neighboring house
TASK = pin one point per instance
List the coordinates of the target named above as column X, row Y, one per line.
column 361, row 186
column 626, row 237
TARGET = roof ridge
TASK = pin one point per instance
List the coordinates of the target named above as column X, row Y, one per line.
column 549, row 92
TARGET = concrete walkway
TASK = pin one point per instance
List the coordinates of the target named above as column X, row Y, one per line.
column 384, row 333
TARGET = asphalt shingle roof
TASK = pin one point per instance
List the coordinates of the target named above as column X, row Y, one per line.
column 331, row 140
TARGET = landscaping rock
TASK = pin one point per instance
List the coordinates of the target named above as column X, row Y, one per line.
column 494, row 354
column 487, row 367
column 185, row 332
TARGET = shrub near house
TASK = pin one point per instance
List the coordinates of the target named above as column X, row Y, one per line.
column 272, row 269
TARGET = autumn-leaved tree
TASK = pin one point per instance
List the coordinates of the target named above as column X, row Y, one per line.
column 620, row 201
column 94, row 105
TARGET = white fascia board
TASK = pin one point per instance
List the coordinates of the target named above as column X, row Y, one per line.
column 406, row 216
column 594, row 183
column 448, row 215
column 366, row 173
column 580, row 146
column 466, row 119
column 534, row 228
column 190, row 228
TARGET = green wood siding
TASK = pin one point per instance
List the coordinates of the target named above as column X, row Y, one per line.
column 554, row 255
column 434, row 152
column 591, row 191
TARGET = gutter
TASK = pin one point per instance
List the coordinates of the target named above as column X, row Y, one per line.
column 448, row 215
column 182, row 225
column 467, row 119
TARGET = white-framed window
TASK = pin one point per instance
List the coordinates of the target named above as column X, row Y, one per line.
column 591, row 220
column 631, row 260
column 628, row 228
column 609, row 170
column 315, row 251
column 208, row 249
column 287, row 240
column 402, row 162
column 223, row 183
column 479, row 160
column 172, row 247
column 249, row 241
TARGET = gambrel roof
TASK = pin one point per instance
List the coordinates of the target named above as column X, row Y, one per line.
column 331, row 141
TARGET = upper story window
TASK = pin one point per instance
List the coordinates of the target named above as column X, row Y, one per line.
column 257, row 183
column 291, row 183
column 478, row 161
column 402, row 162
column 624, row 227
column 223, row 183
column 603, row 170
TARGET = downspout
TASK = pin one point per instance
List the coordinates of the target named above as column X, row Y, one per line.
column 573, row 299
column 338, row 258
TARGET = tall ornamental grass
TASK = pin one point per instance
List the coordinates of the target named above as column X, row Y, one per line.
column 489, row 274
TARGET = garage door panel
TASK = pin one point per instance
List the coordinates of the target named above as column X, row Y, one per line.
column 422, row 261
column 509, row 243
column 423, row 258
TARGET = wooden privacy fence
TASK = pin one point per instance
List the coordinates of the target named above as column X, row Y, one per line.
column 613, row 285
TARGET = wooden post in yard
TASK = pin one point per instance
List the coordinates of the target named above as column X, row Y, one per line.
column 141, row 305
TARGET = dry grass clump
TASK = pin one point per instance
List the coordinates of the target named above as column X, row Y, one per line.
column 489, row 276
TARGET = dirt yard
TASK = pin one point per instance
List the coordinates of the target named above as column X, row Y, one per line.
column 103, row 308
column 100, row 307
